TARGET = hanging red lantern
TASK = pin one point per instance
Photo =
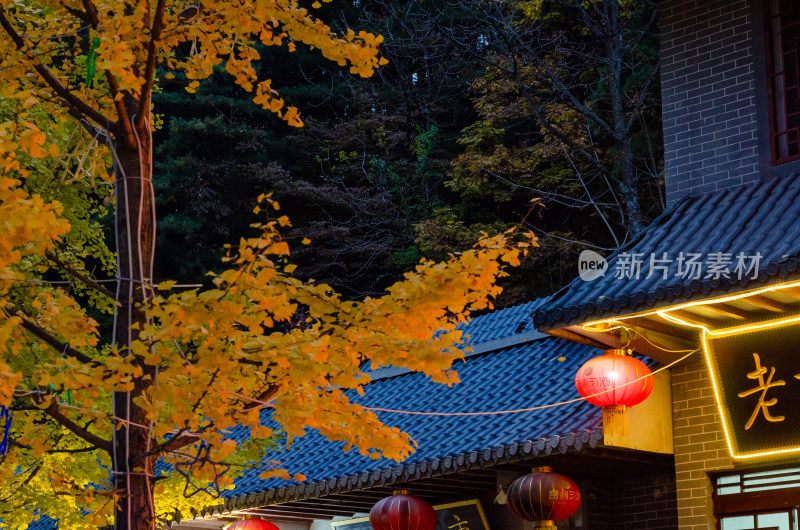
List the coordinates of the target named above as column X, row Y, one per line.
column 608, row 380
column 543, row 497
column 252, row 524
column 402, row 511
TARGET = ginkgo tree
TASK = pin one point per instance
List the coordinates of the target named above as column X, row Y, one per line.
column 96, row 407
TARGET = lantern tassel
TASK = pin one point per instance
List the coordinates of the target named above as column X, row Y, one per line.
column 615, row 420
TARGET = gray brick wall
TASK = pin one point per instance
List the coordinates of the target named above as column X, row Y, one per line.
column 699, row 444
column 643, row 503
column 709, row 98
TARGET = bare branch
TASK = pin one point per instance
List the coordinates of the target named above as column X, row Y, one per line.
column 173, row 444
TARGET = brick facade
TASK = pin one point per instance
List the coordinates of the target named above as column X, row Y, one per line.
column 709, row 96
column 643, row 503
column 699, row 444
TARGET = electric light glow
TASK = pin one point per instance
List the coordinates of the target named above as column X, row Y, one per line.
column 725, row 430
column 728, row 436
column 729, row 298
column 707, row 333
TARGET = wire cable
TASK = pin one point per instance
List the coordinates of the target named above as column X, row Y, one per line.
column 496, row 412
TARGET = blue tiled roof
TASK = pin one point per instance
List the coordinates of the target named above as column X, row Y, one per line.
column 531, row 373
column 502, row 323
column 518, row 377
column 536, row 372
column 761, row 218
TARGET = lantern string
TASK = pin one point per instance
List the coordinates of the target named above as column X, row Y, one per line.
column 497, row 412
column 530, row 409
column 271, row 403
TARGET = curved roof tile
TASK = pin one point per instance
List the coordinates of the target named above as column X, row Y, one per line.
column 761, row 218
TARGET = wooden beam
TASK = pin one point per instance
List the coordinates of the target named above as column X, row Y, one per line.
column 694, row 318
column 730, row 311
column 458, row 481
column 667, row 328
column 575, row 337
column 296, row 514
column 756, row 500
column 357, row 502
column 759, row 300
column 659, row 347
column 790, row 291
column 217, row 521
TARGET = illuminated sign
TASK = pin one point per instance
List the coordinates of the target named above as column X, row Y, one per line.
column 756, row 377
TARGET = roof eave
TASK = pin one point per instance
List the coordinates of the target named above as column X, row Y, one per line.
column 412, row 471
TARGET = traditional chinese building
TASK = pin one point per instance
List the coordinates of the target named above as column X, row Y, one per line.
column 711, row 289
column 714, row 284
column 465, row 463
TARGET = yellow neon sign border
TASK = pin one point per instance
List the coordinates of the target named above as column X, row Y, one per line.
column 706, row 333
column 694, row 303
column 733, row 330
column 725, row 428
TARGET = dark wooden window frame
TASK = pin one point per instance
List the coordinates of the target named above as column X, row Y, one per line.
column 784, row 137
column 754, row 502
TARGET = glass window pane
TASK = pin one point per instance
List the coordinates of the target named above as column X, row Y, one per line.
column 745, row 522
column 779, row 521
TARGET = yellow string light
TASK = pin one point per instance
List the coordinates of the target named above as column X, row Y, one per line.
column 706, row 335
column 729, row 298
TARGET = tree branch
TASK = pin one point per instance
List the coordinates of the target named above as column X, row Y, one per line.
column 173, row 444
column 266, row 394
column 45, row 336
column 53, row 410
column 149, row 72
column 644, row 91
column 99, row 133
column 119, row 105
column 182, row 440
column 52, row 451
column 545, row 121
column 69, row 269
column 570, row 97
column 71, row 99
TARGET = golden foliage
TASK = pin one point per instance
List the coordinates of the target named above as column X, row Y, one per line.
column 208, row 360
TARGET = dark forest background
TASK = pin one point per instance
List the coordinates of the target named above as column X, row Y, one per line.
column 489, row 114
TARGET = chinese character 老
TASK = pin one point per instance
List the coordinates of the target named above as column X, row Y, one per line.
column 763, row 404
column 458, row 524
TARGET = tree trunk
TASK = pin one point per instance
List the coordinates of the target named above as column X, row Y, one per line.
column 628, row 182
column 135, row 233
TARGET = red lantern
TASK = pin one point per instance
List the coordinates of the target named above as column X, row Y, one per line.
column 402, row 511
column 609, row 374
column 253, row 524
column 544, row 497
